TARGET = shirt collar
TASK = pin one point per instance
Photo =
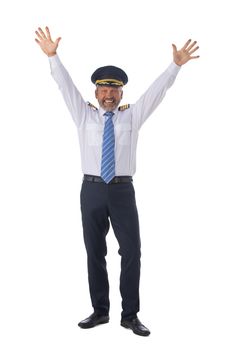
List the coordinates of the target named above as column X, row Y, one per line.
column 102, row 111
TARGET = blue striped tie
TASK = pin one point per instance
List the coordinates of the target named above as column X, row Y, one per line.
column 108, row 149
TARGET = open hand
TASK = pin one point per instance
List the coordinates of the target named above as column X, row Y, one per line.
column 47, row 45
column 183, row 55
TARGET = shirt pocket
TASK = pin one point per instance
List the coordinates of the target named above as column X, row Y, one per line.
column 94, row 134
column 123, row 134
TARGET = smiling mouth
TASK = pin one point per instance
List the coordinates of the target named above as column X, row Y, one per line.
column 109, row 101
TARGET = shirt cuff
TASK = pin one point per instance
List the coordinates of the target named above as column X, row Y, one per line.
column 54, row 61
column 174, row 68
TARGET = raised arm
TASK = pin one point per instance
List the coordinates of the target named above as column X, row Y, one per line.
column 149, row 101
column 73, row 99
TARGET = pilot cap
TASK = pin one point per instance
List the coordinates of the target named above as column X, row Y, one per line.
column 109, row 76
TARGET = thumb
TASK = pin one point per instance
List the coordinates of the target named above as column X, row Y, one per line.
column 174, row 48
column 57, row 41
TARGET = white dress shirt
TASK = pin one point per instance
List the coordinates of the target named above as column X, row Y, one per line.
column 90, row 121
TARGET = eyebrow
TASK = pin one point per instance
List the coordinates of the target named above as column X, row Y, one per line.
column 114, row 88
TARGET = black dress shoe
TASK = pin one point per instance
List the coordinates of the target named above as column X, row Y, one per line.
column 136, row 326
column 93, row 321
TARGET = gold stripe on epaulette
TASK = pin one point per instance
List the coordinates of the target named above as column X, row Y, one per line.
column 92, row 106
column 124, row 107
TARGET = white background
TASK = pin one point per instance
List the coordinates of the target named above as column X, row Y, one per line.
column 183, row 182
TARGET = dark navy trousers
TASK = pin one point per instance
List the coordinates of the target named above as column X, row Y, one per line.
column 101, row 205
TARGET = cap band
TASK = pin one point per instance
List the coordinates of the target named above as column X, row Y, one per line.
column 109, row 82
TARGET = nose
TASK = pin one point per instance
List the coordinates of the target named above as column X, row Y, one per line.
column 109, row 94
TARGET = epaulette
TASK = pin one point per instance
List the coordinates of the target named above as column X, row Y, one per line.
column 92, row 106
column 124, row 107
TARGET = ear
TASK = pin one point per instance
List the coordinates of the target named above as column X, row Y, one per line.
column 96, row 93
column 121, row 94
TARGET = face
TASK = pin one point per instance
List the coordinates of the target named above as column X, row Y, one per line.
column 108, row 97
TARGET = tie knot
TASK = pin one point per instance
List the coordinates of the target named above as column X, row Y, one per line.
column 108, row 114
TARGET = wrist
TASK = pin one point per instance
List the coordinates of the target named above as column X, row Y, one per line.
column 51, row 54
column 177, row 63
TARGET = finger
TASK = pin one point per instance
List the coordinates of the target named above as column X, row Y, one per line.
column 191, row 46
column 38, row 41
column 195, row 49
column 42, row 33
column 39, row 36
column 48, row 32
column 186, row 44
column 193, row 57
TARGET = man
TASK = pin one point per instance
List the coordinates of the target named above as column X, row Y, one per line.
column 108, row 138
